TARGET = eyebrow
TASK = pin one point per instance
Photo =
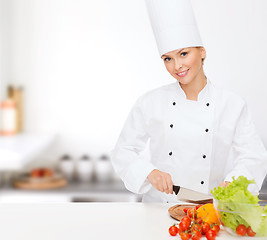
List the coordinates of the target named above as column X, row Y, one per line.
column 168, row 56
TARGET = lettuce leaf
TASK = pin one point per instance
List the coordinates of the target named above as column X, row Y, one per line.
column 239, row 206
column 263, row 227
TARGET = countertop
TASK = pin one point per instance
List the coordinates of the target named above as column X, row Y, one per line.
column 75, row 191
column 88, row 221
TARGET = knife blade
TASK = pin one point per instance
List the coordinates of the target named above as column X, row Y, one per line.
column 191, row 196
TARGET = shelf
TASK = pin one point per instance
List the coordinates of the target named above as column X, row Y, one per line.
column 16, row 151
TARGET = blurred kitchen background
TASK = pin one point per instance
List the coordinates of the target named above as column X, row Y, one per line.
column 71, row 71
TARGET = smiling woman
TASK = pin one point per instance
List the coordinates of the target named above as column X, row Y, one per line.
column 186, row 65
column 199, row 136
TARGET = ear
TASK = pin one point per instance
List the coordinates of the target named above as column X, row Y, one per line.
column 203, row 52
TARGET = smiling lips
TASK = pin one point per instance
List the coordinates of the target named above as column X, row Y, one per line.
column 182, row 74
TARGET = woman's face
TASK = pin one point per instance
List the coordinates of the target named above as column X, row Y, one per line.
column 185, row 64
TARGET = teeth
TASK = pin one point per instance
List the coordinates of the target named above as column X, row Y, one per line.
column 182, row 73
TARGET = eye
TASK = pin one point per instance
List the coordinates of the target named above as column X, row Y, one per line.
column 167, row 59
column 184, row 53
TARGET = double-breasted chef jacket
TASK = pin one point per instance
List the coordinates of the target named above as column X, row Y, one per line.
column 199, row 143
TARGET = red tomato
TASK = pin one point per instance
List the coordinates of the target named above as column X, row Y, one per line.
column 196, row 235
column 241, row 230
column 210, row 235
column 186, row 219
column 186, row 209
column 192, row 213
column 205, row 228
column 215, row 228
column 197, row 228
column 198, row 206
column 173, row 230
column 198, row 220
column 184, row 225
column 250, row 232
column 185, row 236
column 36, row 173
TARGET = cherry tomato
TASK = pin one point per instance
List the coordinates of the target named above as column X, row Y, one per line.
column 197, row 227
column 196, row 235
column 241, row 230
column 205, row 228
column 36, row 173
column 198, row 220
column 210, row 235
column 186, row 219
column 186, row 209
column 184, row 225
column 215, row 228
column 184, row 236
column 250, row 232
column 198, row 206
column 192, row 213
column 173, row 230
column 190, row 234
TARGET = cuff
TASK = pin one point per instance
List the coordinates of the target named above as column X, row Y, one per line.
column 136, row 178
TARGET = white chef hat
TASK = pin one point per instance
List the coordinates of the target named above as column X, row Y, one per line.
column 173, row 24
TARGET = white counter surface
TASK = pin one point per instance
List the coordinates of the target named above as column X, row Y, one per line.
column 88, row 221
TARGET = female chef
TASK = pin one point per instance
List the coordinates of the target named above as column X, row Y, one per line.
column 198, row 136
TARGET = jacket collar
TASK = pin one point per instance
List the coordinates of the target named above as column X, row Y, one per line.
column 201, row 96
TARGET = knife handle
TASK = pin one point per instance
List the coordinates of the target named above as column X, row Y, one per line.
column 176, row 189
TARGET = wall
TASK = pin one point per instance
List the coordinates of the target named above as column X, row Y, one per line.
column 3, row 41
column 84, row 63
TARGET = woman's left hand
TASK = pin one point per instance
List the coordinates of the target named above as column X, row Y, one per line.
column 224, row 184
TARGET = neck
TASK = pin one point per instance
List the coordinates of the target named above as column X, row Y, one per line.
column 193, row 88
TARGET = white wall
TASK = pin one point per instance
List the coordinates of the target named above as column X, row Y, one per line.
column 84, row 63
column 3, row 28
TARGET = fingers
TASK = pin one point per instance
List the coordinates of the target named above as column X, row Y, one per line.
column 224, row 184
column 161, row 181
column 170, row 184
column 160, row 185
column 165, row 186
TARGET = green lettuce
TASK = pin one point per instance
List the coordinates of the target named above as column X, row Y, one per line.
column 263, row 227
column 239, row 206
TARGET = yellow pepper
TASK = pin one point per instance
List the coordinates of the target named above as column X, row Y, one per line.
column 208, row 214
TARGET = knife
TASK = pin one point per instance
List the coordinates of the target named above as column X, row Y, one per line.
column 191, row 196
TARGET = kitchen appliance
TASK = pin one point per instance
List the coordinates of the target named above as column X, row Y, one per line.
column 85, row 168
column 66, row 167
column 103, row 169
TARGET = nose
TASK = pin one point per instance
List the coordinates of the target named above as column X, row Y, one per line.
column 178, row 65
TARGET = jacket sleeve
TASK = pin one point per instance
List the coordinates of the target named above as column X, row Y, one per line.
column 127, row 158
column 250, row 156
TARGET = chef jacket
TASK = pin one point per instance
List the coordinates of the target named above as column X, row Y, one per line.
column 199, row 143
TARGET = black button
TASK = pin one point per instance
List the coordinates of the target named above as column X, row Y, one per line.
column 170, row 153
column 207, row 130
column 204, row 156
column 207, row 104
column 171, row 125
column 202, row 182
column 173, row 103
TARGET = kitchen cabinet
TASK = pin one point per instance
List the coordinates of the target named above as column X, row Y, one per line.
column 85, row 221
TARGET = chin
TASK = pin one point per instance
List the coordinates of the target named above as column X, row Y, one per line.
column 184, row 81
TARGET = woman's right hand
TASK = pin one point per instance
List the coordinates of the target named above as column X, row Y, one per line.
column 161, row 181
